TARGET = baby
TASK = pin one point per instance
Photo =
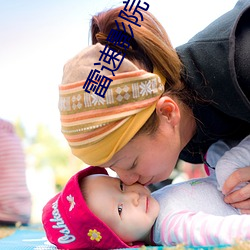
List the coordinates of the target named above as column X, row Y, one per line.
column 96, row 211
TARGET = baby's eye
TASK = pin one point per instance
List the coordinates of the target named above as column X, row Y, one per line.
column 120, row 206
column 121, row 186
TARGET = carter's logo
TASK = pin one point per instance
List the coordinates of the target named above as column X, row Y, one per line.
column 67, row 237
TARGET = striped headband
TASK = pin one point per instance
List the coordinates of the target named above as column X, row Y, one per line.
column 95, row 127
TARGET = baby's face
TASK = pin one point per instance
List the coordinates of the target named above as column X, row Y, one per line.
column 130, row 211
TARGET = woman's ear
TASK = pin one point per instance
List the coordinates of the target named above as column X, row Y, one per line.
column 168, row 109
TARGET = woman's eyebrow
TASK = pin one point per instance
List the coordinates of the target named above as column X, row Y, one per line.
column 112, row 165
column 115, row 163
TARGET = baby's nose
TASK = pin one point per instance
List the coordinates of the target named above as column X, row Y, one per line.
column 133, row 197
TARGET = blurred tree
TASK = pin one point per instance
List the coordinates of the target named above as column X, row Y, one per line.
column 45, row 150
column 20, row 130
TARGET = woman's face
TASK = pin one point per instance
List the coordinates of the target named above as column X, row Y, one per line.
column 147, row 159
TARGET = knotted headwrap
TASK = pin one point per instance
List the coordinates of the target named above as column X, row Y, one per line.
column 95, row 127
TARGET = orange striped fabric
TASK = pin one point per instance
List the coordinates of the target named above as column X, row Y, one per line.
column 86, row 115
column 87, row 118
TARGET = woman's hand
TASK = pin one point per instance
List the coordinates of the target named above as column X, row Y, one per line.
column 241, row 197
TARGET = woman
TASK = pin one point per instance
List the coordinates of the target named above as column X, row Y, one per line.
column 138, row 124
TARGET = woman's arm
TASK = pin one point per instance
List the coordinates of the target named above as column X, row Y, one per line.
column 237, row 157
column 233, row 175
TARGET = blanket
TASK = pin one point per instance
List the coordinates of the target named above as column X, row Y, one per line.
column 33, row 237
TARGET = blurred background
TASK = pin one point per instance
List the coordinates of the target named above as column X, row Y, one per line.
column 36, row 39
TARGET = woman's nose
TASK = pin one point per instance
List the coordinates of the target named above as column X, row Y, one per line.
column 126, row 177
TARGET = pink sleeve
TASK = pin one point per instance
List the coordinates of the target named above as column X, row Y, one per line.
column 15, row 200
column 201, row 229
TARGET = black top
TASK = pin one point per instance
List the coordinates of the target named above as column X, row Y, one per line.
column 217, row 66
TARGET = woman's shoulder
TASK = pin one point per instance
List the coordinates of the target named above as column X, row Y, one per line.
column 209, row 65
